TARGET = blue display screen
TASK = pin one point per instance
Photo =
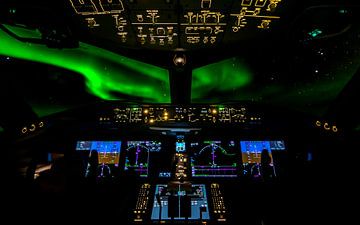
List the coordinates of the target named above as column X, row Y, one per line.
column 180, row 144
column 252, row 153
column 175, row 203
column 251, row 150
column 108, row 151
column 277, row 145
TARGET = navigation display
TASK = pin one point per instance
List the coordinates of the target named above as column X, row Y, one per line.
column 180, row 203
column 108, row 151
column 137, row 156
column 213, row 159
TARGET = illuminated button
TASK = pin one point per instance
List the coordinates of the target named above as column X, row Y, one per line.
column 32, row 127
column 334, row 129
column 179, row 60
column 326, row 126
column 24, row 130
column 165, row 113
column 214, row 111
column 151, row 121
column 146, row 111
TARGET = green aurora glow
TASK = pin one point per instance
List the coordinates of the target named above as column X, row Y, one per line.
column 120, row 75
column 357, row 128
column 230, row 80
column 222, row 76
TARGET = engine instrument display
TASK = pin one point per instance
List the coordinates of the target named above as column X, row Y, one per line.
column 180, row 202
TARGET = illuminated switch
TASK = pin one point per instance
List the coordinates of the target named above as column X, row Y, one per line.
column 260, row 3
column 206, row 4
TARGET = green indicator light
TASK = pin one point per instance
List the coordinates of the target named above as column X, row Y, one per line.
column 342, row 11
column 315, row 33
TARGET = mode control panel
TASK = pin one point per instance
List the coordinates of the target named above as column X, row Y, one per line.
column 155, row 114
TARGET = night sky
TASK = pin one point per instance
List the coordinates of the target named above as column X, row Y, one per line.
column 305, row 71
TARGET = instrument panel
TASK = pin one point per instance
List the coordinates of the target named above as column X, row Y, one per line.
column 180, row 177
column 190, row 164
column 202, row 158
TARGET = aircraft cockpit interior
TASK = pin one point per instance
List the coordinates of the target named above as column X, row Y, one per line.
column 179, row 111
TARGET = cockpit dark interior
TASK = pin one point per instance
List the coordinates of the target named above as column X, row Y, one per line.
column 179, row 111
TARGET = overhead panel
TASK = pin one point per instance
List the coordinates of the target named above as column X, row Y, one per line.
column 171, row 24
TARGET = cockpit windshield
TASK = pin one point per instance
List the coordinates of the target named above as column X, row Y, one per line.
column 179, row 111
column 232, row 51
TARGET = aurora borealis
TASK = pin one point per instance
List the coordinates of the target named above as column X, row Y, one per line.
column 105, row 73
column 222, row 76
column 110, row 76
